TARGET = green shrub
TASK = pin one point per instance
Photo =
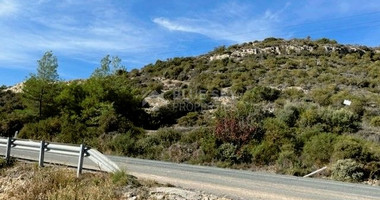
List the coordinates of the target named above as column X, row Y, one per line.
column 149, row 147
column 288, row 160
column 157, row 87
column 318, row 150
column 357, row 102
column 260, row 93
column 208, row 146
column 72, row 132
column 227, row 152
column 190, row 119
column 289, row 114
column 304, row 134
column 124, row 144
column 265, row 153
column 195, row 135
column 276, row 131
column 309, row 118
column 169, row 114
column 4, row 163
column 42, row 130
column 322, row 96
column 325, row 41
column 375, row 121
column 108, row 119
column 348, row 147
column 244, row 154
column 340, row 121
column 292, row 94
column 172, row 94
column 10, row 123
column 238, row 88
column 121, row 178
column 167, row 136
column 373, row 170
column 347, row 170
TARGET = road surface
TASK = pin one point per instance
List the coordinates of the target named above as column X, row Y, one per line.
column 235, row 184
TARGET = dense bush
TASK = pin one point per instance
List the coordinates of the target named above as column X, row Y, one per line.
column 309, row 118
column 72, row 131
column 265, row 153
column 207, row 146
column 375, row 121
column 277, row 131
column 167, row 136
column 335, row 121
column 340, row 121
column 190, row 119
column 260, row 93
column 322, row 96
column 289, row 114
column 10, row 123
column 234, row 131
column 318, row 150
column 288, row 160
column 43, row 130
column 124, row 144
column 227, row 152
column 149, row 147
column 350, row 148
column 347, row 170
column 373, row 170
column 169, row 114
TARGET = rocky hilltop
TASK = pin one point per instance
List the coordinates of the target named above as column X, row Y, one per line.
column 283, row 47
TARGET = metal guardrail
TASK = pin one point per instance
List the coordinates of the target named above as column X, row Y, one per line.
column 99, row 160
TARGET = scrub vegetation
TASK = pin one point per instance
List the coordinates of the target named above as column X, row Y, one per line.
column 272, row 104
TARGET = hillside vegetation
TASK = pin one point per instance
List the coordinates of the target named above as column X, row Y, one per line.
column 272, row 104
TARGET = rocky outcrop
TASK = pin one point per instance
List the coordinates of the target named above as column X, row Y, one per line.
column 16, row 88
column 288, row 49
column 171, row 193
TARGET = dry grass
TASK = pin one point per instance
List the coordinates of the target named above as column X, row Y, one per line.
column 57, row 183
column 27, row 181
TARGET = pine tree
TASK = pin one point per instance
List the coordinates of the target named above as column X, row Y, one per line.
column 40, row 89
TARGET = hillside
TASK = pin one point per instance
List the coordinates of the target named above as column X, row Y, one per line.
column 274, row 104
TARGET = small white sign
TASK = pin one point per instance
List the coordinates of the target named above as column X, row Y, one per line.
column 347, row 102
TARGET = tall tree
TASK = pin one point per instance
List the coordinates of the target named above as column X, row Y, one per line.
column 39, row 90
column 106, row 64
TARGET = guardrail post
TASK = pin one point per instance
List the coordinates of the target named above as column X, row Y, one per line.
column 8, row 153
column 42, row 154
column 80, row 160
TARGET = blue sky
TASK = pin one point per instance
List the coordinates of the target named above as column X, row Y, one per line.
column 81, row 32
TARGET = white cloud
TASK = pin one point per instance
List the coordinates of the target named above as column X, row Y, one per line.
column 172, row 25
column 232, row 22
column 87, row 31
column 8, row 7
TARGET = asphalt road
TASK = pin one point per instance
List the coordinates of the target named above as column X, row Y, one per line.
column 236, row 184
column 241, row 184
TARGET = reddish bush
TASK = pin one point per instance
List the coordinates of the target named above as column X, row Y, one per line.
column 234, row 131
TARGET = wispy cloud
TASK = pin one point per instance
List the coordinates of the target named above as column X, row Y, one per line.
column 173, row 26
column 231, row 22
column 8, row 7
column 89, row 31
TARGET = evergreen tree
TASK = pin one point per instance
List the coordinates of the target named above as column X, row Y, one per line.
column 40, row 89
